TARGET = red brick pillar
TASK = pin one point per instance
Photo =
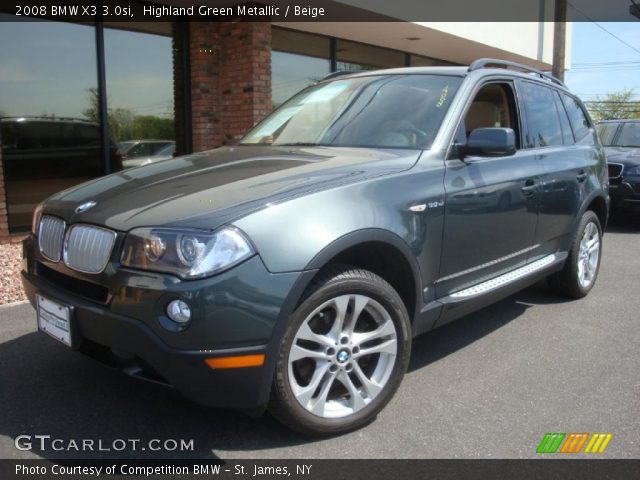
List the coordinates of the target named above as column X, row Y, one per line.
column 4, row 219
column 245, row 77
column 230, row 80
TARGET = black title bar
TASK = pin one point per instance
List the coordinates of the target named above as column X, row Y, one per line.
column 320, row 11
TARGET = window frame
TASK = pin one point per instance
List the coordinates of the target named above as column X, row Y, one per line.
column 520, row 86
column 508, row 81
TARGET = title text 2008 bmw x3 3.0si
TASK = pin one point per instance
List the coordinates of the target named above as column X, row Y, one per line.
column 292, row 271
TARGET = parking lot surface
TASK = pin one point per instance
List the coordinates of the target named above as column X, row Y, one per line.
column 487, row 386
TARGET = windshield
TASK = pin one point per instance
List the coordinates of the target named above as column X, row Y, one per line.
column 628, row 136
column 387, row 111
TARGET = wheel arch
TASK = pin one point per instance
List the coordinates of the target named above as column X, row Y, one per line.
column 381, row 252
column 599, row 204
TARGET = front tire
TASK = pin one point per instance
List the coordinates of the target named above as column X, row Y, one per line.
column 580, row 271
column 343, row 355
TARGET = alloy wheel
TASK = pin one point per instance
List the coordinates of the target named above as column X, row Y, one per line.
column 342, row 356
column 588, row 255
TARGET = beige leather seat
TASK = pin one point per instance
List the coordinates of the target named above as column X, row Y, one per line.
column 482, row 115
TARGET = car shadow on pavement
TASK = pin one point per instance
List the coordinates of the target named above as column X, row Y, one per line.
column 450, row 338
column 624, row 222
column 45, row 389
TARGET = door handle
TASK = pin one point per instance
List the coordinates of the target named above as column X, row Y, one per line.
column 530, row 186
column 582, row 176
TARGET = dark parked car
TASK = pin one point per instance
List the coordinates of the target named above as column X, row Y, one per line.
column 134, row 149
column 165, row 153
column 293, row 270
column 43, row 155
column 621, row 140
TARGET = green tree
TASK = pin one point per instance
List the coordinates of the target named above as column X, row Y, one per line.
column 124, row 124
column 614, row 106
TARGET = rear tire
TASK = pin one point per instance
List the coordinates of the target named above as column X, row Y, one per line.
column 343, row 355
column 581, row 268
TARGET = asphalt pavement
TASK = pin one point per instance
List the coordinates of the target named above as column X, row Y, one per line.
column 487, row 386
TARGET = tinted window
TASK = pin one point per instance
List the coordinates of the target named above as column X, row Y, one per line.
column 377, row 111
column 607, row 132
column 543, row 120
column 579, row 122
column 630, row 135
column 567, row 133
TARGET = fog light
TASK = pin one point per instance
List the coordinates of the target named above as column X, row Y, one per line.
column 179, row 311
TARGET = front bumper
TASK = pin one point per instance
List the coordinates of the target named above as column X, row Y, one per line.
column 238, row 312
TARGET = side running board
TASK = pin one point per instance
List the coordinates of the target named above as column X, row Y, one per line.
column 505, row 279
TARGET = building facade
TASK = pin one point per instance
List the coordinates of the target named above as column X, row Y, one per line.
column 79, row 101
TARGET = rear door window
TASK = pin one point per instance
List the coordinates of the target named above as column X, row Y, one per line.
column 542, row 117
column 577, row 117
column 567, row 132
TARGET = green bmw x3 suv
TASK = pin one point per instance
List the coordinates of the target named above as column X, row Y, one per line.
column 291, row 272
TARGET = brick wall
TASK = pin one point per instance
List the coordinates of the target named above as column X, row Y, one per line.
column 230, row 80
column 4, row 220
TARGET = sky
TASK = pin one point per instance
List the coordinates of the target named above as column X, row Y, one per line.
column 48, row 68
column 617, row 66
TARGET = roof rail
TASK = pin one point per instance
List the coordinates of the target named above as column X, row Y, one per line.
column 487, row 62
column 339, row 73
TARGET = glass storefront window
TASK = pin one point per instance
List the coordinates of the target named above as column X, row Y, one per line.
column 358, row 56
column 49, row 141
column 139, row 79
column 420, row 61
column 297, row 61
column 291, row 73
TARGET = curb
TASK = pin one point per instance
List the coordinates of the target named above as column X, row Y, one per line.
column 13, row 304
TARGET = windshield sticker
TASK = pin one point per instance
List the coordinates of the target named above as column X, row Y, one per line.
column 443, row 96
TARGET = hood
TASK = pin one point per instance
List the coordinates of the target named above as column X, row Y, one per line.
column 207, row 189
column 629, row 156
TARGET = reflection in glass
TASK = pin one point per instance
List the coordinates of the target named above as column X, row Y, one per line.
column 139, row 75
column 358, row 56
column 420, row 61
column 297, row 60
column 49, row 142
column 291, row 73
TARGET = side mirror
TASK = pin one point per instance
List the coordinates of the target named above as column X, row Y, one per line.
column 489, row 142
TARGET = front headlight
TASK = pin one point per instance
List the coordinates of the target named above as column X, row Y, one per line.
column 35, row 221
column 185, row 252
column 634, row 171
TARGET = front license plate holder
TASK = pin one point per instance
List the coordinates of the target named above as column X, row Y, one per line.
column 55, row 319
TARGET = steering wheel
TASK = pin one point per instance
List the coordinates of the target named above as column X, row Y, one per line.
column 406, row 127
